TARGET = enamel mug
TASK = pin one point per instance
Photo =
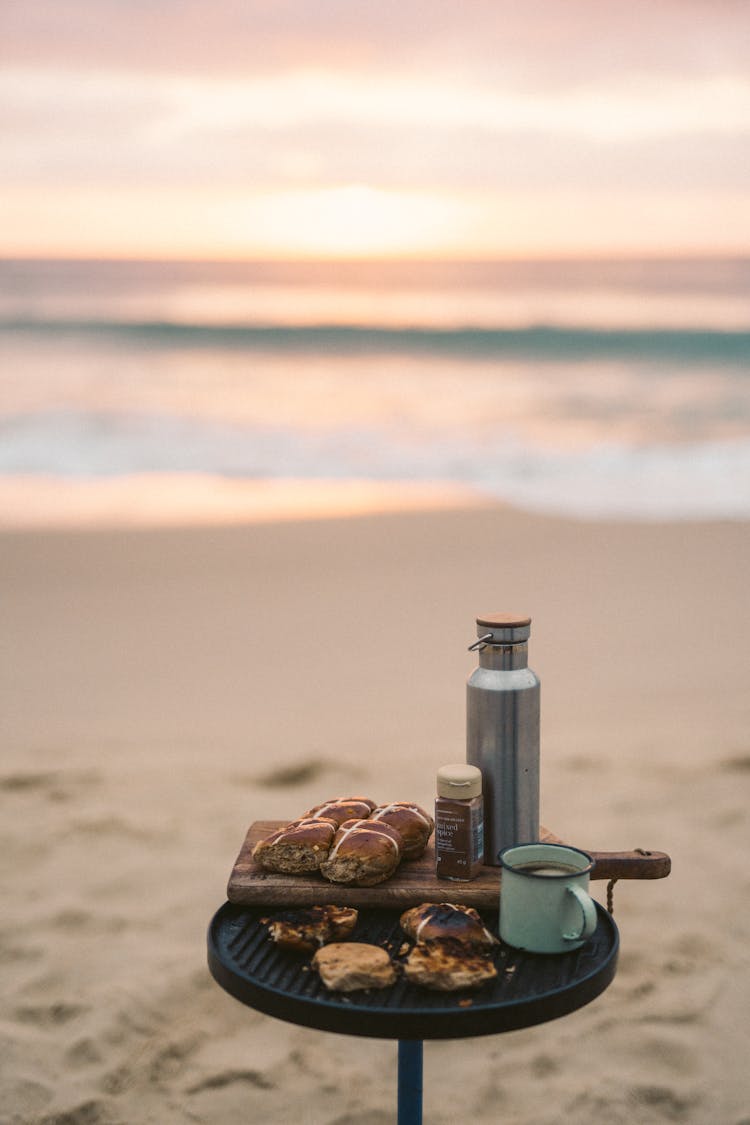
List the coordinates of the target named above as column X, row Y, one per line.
column 545, row 906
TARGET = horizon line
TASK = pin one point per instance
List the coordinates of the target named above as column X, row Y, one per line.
column 387, row 259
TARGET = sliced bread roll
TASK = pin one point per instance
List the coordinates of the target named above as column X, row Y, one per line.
column 354, row 965
column 448, row 965
column 303, row 931
column 298, row 848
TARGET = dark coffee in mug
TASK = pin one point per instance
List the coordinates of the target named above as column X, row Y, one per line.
column 546, row 867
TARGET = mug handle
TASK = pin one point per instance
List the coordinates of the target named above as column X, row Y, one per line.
column 588, row 910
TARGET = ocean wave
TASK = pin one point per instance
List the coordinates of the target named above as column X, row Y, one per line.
column 537, row 341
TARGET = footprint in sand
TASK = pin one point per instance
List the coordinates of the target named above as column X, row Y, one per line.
column 286, row 777
column 668, row 1050
column 11, row 950
column 670, row 1105
column 638, row 1103
column 84, row 1052
column 116, row 1081
column 228, row 1077
column 170, row 1060
column 52, row 785
column 49, row 1015
column 28, row 1097
column 544, row 1065
column 28, row 782
column 71, row 919
column 740, row 763
column 87, row 1113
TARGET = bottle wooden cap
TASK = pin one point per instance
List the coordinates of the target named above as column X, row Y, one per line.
column 502, row 629
column 461, row 781
column 503, row 621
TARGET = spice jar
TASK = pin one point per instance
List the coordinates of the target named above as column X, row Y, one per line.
column 459, row 823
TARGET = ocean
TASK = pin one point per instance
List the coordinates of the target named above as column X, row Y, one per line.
column 594, row 389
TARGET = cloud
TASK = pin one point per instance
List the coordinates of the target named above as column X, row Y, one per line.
column 312, row 129
column 540, row 43
column 183, row 121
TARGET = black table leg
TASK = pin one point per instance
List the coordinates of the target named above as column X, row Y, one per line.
column 410, row 1082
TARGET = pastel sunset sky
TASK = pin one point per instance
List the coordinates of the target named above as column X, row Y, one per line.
column 341, row 128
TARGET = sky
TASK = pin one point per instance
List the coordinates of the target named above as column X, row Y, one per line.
column 346, row 129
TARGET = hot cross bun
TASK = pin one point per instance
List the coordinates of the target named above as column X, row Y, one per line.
column 363, row 854
column 412, row 822
column 298, row 848
column 446, row 920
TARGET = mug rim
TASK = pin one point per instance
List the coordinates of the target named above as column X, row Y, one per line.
column 547, row 844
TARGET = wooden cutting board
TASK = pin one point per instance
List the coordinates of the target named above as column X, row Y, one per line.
column 413, row 883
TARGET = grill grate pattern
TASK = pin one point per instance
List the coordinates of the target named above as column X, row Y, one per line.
column 529, row 988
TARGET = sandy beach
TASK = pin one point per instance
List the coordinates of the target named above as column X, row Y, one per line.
column 161, row 689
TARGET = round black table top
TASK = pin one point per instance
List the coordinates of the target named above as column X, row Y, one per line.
column 529, row 989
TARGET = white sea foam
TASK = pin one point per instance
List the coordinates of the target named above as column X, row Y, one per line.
column 707, row 479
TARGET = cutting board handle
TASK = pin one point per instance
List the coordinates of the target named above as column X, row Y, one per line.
column 638, row 864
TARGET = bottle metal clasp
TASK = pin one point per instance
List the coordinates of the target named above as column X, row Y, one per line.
column 480, row 643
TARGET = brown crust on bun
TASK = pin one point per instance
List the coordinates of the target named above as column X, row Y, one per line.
column 446, row 920
column 363, row 854
column 412, row 822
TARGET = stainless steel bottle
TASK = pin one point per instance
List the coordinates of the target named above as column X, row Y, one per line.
column 502, row 731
